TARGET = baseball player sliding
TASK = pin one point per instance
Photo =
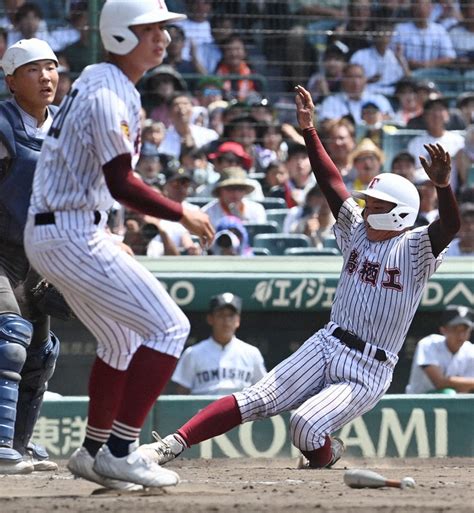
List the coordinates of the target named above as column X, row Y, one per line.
column 344, row 369
column 86, row 163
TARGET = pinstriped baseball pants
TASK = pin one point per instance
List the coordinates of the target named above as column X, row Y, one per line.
column 324, row 382
column 121, row 303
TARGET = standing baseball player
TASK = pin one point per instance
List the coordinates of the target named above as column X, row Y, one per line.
column 87, row 162
column 344, row 369
column 28, row 350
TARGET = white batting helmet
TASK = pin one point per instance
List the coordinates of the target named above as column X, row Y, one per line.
column 118, row 15
column 395, row 189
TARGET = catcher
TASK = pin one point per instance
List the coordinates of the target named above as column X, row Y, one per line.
column 28, row 350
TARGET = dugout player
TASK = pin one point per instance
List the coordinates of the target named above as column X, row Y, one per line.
column 87, row 162
column 344, row 369
column 222, row 363
column 28, row 350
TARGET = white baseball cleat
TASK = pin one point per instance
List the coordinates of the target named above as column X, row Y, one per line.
column 337, row 450
column 137, row 467
column 163, row 450
column 81, row 464
column 16, row 467
column 40, row 463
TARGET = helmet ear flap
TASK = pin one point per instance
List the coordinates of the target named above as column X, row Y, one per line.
column 121, row 39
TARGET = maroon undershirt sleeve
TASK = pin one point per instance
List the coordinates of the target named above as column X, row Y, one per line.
column 132, row 192
column 443, row 230
column 327, row 175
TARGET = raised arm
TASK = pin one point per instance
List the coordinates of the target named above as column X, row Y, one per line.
column 327, row 175
column 443, row 230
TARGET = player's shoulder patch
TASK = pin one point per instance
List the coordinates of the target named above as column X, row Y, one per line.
column 125, row 129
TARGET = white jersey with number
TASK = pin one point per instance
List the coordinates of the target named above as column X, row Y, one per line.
column 102, row 113
column 432, row 350
column 121, row 303
column 210, row 368
column 326, row 383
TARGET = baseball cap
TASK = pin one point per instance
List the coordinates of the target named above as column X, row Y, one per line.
column 236, row 149
column 455, row 315
column 225, row 299
column 433, row 102
column 179, row 174
column 370, row 105
column 25, row 51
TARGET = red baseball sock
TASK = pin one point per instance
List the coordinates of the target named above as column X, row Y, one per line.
column 319, row 458
column 147, row 375
column 215, row 419
column 105, row 394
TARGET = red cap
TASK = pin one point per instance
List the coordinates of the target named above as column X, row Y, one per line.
column 236, row 149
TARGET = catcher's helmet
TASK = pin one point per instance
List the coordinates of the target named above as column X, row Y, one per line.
column 397, row 190
column 118, row 15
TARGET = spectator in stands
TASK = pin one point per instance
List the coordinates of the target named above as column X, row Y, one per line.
column 10, row 8
column 64, row 84
column 436, row 115
column 328, row 80
column 446, row 12
column 220, row 364
column 70, row 33
column 392, row 10
column 230, row 191
column 368, row 160
column 464, row 160
column 209, row 89
column 383, row 67
column 444, row 363
column 231, row 238
column 465, row 105
column 149, row 165
column 372, row 122
column 404, row 164
column 424, row 44
column 210, row 53
column 352, row 96
column 428, row 211
column 196, row 162
column 182, row 133
column 196, row 27
column 275, row 183
column 174, row 54
column 234, row 62
column 78, row 54
column 462, row 35
column 313, row 218
column 179, row 185
column 463, row 244
column 3, row 47
column 153, row 133
column 338, row 137
column 263, row 111
column 28, row 23
column 232, row 154
column 409, row 105
column 301, row 177
column 354, row 32
column 242, row 129
column 271, row 145
column 160, row 85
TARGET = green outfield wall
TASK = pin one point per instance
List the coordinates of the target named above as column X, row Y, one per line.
column 399, row 426
column 284, row 301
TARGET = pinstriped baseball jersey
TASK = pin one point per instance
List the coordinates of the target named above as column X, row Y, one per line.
column 121, row 303
column 102, row 113
column 381, row 283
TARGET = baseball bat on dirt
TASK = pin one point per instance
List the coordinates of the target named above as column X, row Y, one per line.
column 361, row 478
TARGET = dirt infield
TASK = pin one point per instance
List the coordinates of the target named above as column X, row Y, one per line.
column 250, row 485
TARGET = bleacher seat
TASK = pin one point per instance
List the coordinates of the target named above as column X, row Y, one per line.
column 277, row 243
column 449, row 82
column 272, row 203
column 278, row 215
column 393, row 142
column 330, row 242
column 311, row 252
column 261, row 251
column 256, row 228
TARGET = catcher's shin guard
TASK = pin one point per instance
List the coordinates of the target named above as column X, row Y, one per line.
column 38, row 369
column 15, row 337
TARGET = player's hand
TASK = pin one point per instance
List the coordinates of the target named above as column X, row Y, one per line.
column 198, row 223
column 304, row 108
column 439, row 170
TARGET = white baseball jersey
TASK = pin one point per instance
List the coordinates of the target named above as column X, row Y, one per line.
column 210, row 368
column 432, row 350
column 121, row 303
column 325, row 382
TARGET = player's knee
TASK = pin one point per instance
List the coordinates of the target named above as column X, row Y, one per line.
column 299, row 431
column 15, row 337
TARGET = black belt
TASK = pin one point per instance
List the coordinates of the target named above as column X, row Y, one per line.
column 48, row 218
column 354, row 342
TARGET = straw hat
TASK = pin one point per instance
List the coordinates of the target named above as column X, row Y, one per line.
column 233, row 176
